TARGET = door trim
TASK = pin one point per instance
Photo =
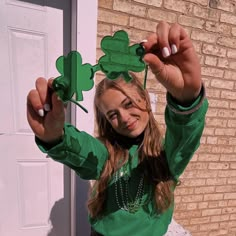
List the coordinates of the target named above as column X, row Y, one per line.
column 84, row 40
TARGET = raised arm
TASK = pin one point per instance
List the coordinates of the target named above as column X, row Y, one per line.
column 62, row 142
column 172, row 58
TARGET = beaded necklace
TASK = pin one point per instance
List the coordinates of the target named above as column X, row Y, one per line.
column 127, row 205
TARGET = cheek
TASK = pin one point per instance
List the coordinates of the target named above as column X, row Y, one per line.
column 113, row 123
column 145, row 118
column 142, row 104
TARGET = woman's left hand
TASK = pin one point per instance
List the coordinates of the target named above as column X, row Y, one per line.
column 172, row 58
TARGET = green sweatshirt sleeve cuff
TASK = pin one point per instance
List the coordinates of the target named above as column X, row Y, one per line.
column 186, row 110
column 79, row 151
column 46, row 147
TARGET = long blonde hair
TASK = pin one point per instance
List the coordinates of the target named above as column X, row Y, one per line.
column 150, row 150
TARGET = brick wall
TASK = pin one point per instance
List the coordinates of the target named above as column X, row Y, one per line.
column 206, row 199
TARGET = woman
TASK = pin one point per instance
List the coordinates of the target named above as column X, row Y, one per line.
column 135, row 168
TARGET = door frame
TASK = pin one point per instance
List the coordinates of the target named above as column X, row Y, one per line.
column 83, row 33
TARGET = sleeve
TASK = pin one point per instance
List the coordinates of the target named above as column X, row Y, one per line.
column 183, row 132
column 78, row 150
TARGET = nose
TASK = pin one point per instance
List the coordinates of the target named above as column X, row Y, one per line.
column 124, row 116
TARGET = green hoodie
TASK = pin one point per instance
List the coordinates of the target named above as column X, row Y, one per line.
column 87, row 156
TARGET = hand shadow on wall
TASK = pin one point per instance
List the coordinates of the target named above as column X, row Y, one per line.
column 58, row 219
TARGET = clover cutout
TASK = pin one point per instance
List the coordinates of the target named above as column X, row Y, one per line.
column 75, row 77
column 119, row 59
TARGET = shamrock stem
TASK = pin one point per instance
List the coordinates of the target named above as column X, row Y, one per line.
column 145, row 76
column 83, row 108
column 96, row 68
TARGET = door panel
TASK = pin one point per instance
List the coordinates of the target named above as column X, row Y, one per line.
column 34, row 194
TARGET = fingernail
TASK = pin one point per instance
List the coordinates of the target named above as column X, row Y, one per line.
column 41, row 112
column 174, row 49
column 165, row 52
column 144, row 41
column 47, row 107
column 58, row 98
column 145, row 61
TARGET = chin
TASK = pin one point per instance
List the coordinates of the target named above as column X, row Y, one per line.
column 134, row 134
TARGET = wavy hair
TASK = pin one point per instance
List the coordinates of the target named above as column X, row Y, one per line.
column 150, row 150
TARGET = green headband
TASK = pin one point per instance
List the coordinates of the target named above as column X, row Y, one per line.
column 119, row 59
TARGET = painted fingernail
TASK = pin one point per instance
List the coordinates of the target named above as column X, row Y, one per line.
column 144, row 41
column 47, row 107
column 41, row 112
column 165, row 52
column 145, row 61
column 174, row 49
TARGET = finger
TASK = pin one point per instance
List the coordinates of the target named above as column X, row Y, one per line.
column 155, row 64
column 163, row 36
column 34, row 103
column 179, row 37
column 44, row 93
column 151, row 43
column 57, row 106
column 174, row 38
column 34, row 119
column 50, row 81
column 185, row 41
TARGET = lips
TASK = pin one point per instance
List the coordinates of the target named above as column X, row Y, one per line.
column 132, row 125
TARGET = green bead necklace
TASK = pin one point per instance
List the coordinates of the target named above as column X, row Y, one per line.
column 126, row 204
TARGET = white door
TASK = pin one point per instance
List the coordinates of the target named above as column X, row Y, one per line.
column 34, row 191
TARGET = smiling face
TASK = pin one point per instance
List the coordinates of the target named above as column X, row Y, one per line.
column 128, row 118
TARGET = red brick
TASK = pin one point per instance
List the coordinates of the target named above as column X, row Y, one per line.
column 179, row 6
column 105, row 3
column 114, row 17
column 203, row 36
column 216, row 27
column 209, row 226
column 156, row 3
column 160, row 15
column 225, row 5
column 216, row 181
column 129, row 7
column 142, row 24
column 212, row 49
column 227, row 42
column 191, row 21
column 228, row 18
column 213, row 197
column 205, row 189
column 211, row 212
column 200, row 11
column 231, row 53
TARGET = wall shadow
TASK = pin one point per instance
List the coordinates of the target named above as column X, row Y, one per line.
column 82, row 227
column 57, row 219
column 60, row 215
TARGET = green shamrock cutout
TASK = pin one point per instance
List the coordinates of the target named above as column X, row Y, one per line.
column 75, row 78
column 119, row 57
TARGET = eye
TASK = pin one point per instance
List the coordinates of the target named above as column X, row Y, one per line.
column 112, row 116
column 128, row 104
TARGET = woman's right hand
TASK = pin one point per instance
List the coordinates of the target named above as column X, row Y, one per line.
column 45, row 112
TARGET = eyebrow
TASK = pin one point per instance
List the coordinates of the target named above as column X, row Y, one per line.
column 120, row 103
